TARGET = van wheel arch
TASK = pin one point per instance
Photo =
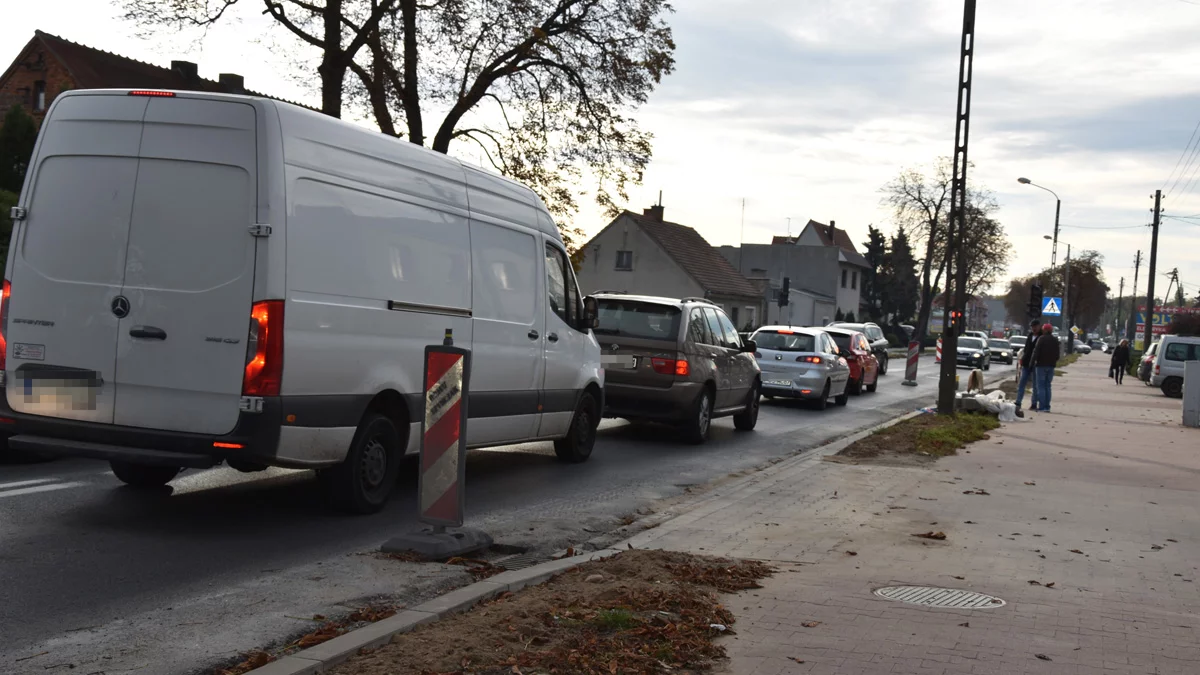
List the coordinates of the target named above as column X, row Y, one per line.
column 391, row 404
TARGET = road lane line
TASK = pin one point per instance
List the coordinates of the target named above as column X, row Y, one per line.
column 23, row 483
column 40, row 488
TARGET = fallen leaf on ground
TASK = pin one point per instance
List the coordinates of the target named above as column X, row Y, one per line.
column 960, row 578
column 1075, row 550
column 965, row 625
column 1043, row 657
column 851, row 552
column 811, row 624
column 927, row 499
column 979, row 491
column 931, row 535
column 1172, row 541
column 968, row 522
column 1051, row 584
column 1029, row 482
column 796, row 659
column 1034, row 583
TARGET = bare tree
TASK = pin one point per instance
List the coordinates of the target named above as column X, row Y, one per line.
column 543, row 88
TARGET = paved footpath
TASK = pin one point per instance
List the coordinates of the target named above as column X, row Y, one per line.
column 1098, row 498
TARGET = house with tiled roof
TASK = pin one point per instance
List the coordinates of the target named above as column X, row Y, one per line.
column 49, row 65
column 646, row 254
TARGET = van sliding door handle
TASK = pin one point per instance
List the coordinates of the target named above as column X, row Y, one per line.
column 533, row 335
column 148, row 333
column 553, row 337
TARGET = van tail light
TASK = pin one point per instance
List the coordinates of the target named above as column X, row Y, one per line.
column 152, row 93
column 264, row 350
column 663, row 366
column 808, row 359
column 4, row 328
column 1157, row 370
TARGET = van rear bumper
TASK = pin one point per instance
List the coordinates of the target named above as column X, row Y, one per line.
column 257, row 434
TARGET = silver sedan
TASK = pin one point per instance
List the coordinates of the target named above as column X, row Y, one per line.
column 801, row 363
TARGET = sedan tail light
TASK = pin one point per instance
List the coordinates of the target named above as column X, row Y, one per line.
column 679, row 368
column 808, row 359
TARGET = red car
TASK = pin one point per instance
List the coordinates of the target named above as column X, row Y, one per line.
column 864, row 365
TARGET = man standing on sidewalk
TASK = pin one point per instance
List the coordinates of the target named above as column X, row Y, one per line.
column 1026, row 366
column 1045, row 357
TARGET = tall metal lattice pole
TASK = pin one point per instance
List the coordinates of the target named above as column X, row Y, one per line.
column 955, row 236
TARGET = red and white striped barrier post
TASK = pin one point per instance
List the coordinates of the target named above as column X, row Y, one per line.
column 937, row 357
column 441, row 485
column 910, row 368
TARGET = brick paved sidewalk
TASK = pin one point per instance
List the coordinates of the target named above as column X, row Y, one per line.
column 1097, row 498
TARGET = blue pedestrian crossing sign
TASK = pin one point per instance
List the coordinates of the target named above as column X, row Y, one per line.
column 1052, row 306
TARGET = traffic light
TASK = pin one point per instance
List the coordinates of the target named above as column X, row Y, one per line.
column 957, row 325
column 1035, row 301
column 785, row 291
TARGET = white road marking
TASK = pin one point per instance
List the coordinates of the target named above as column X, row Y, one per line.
column 40, row 488
column 23, row 483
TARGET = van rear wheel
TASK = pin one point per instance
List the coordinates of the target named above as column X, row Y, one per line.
column 363, row 482
column 1173, row 387
column 143, row 475
column 577, row 446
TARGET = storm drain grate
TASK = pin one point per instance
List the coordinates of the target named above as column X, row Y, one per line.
column 520, row 561
column 928, row 596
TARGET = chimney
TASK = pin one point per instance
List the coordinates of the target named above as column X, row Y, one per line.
column 654, row 213
column 232, row 84
column 189, row 71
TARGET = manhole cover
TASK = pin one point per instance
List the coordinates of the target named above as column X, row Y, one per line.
column 520, row 561
column 927, row 596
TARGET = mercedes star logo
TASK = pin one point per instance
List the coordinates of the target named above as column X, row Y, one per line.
column 120, row 306
column 615, row 347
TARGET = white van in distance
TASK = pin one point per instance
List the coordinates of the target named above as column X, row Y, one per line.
column 199, row 278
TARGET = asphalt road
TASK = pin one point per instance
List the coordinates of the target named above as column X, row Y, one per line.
column 89, row 569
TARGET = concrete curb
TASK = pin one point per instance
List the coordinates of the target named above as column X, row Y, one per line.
column 326, row 655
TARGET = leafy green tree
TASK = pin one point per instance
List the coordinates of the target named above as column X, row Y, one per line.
column 18, row 132
column 7, row 201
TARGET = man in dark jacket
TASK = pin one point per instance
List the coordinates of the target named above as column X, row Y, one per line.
column 1045, row 357
column 1026, row 366
column 1120, row 361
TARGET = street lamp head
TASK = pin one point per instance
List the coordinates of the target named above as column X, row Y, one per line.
column 1024, row 181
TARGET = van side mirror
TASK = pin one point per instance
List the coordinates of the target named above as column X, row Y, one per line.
column 591, row 314
column 749, row 346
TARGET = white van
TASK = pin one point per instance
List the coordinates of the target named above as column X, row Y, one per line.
column 1173, row 352
column 199, row 278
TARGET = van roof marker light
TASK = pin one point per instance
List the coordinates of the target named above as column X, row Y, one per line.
column 150, row 92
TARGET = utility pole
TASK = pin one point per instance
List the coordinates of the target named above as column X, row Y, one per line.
column 1054, row 248
column 1120, row 296
column 1149, row 333
column 948, row 378
column 1137, row 267
column 1067, row 323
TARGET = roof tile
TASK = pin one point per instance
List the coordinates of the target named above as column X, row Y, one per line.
column 697, row 257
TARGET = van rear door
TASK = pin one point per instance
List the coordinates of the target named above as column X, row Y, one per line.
column 69, row 262
column 189, row 271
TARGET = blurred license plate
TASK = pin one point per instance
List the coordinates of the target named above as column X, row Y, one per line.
column 779, row 383
column 68, row 392
column 619, row 361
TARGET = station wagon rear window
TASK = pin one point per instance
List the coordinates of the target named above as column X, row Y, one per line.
column 784, row 342
column 630, row 318
column 842, row 340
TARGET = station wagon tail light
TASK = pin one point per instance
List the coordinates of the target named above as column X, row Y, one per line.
column 4, row 327
column 152, row 93
column 670, row 366
column 264, row 350
column 808, row 359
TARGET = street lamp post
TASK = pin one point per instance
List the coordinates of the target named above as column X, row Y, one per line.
column 1057, row 210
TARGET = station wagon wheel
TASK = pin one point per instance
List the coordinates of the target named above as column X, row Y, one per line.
column 748, row 418
column 823, row 402
column 577, row 446
column 883, row 364
column 1173, row 387
column 363, row 482
column 696, row 428
column 143, row 475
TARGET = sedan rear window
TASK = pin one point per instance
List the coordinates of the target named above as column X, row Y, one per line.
column 784, row 342
column 842, row 340
column 628, row 318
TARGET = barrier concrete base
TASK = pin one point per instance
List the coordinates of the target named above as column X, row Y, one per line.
column 434, row 545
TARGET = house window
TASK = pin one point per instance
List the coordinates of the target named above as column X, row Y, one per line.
column 625, row 260
column 843, row 278
column 854, row 280
column 39, row 96
column 733, row 314
column 750, row 316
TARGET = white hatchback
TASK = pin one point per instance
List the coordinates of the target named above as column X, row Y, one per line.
column 801, row 363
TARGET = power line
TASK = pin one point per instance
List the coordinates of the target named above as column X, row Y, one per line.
column 1181, row 156
column 1104, row 227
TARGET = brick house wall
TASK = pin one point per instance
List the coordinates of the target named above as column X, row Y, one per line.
column 36, row 78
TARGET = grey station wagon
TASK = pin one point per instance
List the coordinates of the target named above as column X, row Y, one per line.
column 681, row 362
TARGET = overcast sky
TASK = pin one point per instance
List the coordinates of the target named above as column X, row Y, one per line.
column 805, row 108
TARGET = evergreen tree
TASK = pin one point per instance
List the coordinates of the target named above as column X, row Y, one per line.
column 850, row 317
column 900, row 285
column 838, row 316
column 17, row 135
column 873, row 280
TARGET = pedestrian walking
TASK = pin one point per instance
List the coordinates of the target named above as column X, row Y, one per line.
column 1045, row 357
column 1025, row 377
column 1120, row 361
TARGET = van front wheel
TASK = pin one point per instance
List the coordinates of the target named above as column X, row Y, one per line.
column 576, row 447
column 143, row 475
column 363, row 482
